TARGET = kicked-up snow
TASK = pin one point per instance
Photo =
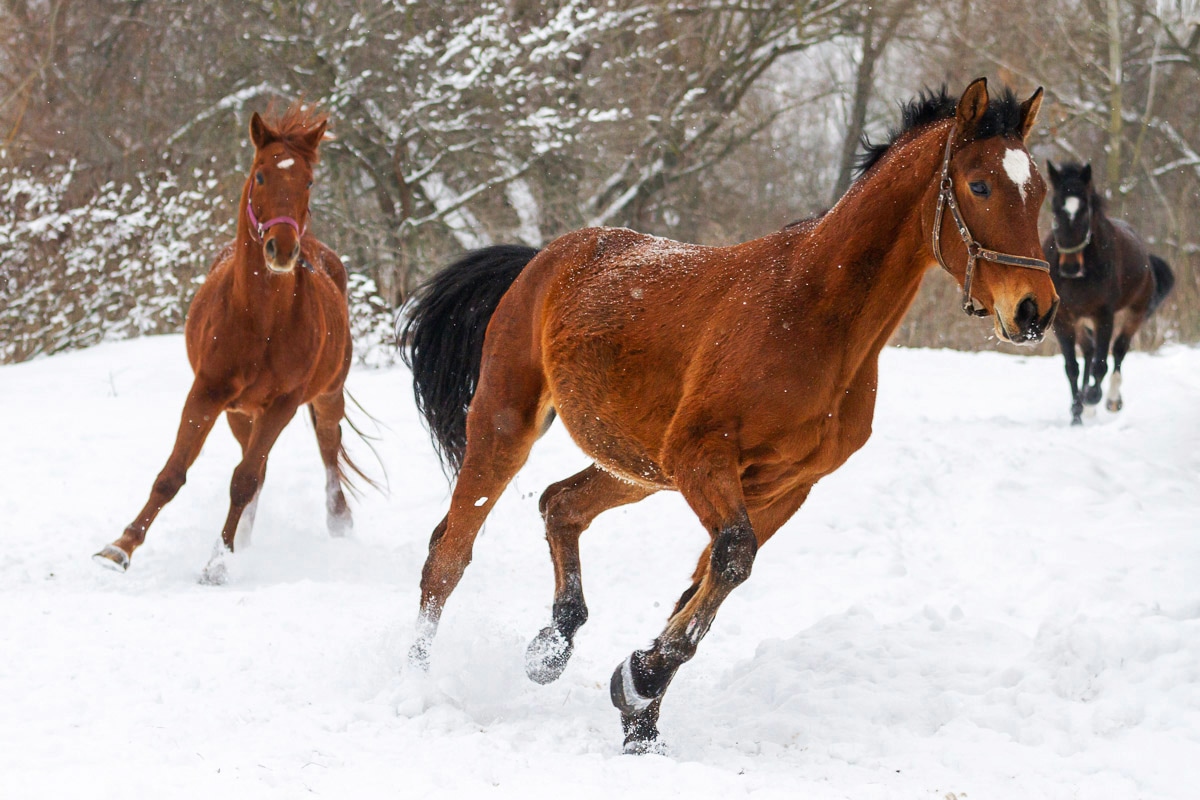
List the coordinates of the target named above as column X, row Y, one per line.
column 983, row 603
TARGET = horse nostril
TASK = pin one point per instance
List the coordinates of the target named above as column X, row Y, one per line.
column 295, row 251
column 270, row 249
column 1027, row 314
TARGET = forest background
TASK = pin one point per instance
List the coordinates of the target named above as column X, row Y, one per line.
column 462, row 123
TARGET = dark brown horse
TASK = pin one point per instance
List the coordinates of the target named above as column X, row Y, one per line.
column 267, row 332
column 1108, row 281
column 738, row 376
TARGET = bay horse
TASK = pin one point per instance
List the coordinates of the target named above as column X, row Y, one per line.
column 1108, row 281
column 737, row 376
column 267, row 332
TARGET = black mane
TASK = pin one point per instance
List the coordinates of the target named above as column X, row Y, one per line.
column 1002, row 118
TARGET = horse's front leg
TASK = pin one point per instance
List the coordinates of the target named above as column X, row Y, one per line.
column 1099, row 361
column 1066, row 343
column 247, row 478
column 706, row 472
column 200, row 411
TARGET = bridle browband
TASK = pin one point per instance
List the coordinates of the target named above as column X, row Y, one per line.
column 974, row 251
column 261, row 228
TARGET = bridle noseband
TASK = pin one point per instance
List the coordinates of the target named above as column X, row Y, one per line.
column 1087, row 239
column 974, row 250
column 261, row 228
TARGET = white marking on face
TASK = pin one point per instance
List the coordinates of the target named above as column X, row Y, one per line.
column 1019, row 169
column 287, row 162
column 1071, row 206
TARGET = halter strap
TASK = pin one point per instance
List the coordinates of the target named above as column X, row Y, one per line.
column 1070, row 251
column 974, row 250
column 261, row 227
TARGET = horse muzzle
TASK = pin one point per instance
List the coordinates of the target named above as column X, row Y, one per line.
column 1070, row 265
column 1026, row 326
column 272, row 256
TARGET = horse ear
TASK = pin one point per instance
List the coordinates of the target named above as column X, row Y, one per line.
column 313, row 137
column 1086, row 173
column 1053, row 172
column 971, row 107
column 260, row 133
column 1029, row 112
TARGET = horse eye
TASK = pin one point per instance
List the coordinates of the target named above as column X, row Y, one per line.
column 258, row 178
column 981, row 189
column 310, row 184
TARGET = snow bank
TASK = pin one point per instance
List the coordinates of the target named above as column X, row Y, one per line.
column 984, row 602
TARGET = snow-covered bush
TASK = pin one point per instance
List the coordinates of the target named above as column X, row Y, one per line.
column 123, row 262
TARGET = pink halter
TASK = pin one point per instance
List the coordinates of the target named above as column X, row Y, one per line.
column 261, row 227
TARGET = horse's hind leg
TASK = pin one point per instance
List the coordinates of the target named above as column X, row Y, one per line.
column 327, row 412
column 200, row 412
column 242, row 425
column 504, row 421
column 568, row 507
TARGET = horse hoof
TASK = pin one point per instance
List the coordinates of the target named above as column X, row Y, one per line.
column 1076, row 420
column 112, row 557
column 642, row 747
column 418, row 655
column 340, row 524
column 1092, row 395
column 1114, row 405
column 547, row 656
column 216, row 571
column 624, row 694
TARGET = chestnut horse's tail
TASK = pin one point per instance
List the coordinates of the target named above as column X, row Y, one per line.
column 442, row 339
column 1164, row 282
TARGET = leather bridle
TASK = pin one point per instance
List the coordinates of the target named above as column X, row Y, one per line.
column 974, row 250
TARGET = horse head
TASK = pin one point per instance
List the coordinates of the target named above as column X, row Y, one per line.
column 1073, row 204
column 277, row 191
column 989, row 242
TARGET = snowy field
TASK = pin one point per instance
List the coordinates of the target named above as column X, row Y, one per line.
column 983, row 603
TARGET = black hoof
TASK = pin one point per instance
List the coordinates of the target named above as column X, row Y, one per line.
column 418, row 655
column 547, row 656
column 112, row 557
column 1092, row 395
column 1076, row 420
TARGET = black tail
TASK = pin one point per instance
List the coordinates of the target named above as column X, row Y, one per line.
column 1164, row 282
column 442, row 339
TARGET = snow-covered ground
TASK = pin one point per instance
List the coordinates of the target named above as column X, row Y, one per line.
column 983, row 603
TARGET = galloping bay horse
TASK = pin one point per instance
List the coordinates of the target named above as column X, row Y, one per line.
column 267, row 332
column 1108, row 282
column 737, row 376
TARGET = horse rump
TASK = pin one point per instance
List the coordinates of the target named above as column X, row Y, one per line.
column 441, row 335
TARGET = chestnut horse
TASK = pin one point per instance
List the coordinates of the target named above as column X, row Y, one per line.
column 1108, row 282
column 267, row 332
column 737, row 376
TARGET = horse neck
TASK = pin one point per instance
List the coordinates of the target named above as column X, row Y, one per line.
column 253, row 285
column 875, row 245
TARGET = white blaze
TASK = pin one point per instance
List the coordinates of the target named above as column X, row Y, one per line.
column 287, row 162
column 1018, row 167
column 1071, row 206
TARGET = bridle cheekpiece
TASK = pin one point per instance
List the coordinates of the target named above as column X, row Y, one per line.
column 975, row 252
